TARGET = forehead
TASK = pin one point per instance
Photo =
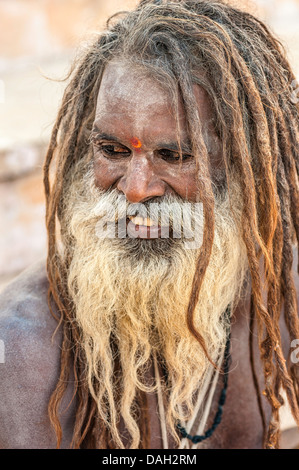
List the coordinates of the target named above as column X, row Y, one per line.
column 130, row 85
column 128, row 89
column 130, row 102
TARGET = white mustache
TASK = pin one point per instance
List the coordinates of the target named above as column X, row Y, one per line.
column 165, row 211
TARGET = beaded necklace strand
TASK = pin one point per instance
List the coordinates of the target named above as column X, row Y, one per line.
column 217, row 420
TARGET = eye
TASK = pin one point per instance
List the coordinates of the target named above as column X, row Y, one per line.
column 172, row 156
column 112, row 150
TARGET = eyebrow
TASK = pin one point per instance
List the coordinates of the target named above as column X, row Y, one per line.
column 173, row 146
column 185, row 146
column 102, row 135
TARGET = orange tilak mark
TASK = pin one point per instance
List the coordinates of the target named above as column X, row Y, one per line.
column 136, row 143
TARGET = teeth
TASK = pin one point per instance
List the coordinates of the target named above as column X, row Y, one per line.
column 142, row 221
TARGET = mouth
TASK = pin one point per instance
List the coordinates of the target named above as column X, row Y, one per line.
column 144, row 227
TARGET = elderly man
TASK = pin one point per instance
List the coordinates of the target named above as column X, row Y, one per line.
column 167, row 311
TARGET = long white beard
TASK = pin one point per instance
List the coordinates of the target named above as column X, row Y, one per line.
column 134, row 294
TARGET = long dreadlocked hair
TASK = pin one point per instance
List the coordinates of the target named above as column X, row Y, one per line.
column 244, row 70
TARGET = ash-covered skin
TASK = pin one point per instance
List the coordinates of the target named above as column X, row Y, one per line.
column 131, row 106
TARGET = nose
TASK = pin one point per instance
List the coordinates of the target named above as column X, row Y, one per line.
column 140, row 182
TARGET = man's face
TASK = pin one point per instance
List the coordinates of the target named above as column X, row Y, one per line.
column 135, row 138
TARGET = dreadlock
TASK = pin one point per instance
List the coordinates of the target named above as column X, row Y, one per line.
column 244, row 70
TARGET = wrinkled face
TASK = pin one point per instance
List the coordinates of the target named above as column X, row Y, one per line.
column 136, row 147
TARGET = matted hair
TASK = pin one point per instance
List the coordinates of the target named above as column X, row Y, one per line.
column 244, row 70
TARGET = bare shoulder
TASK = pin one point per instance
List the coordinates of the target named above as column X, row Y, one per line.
column 31, row 284
column 25, row 319
column 30, row 364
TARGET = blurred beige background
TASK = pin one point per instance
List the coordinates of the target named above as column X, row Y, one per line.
column 38, row 38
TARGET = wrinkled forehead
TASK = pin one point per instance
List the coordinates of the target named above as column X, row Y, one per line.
column 124, row 84
column 129, row 85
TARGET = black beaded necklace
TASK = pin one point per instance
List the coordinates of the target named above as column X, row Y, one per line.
column 217, row 420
